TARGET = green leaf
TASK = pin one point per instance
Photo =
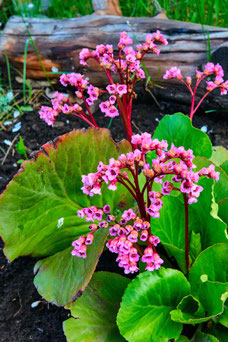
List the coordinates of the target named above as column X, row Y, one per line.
column 195, row 244
column 209, row 286
column 189, row 311
column 223, row 210
column 178, row 129
column 209, row 278
column 224, row 166
column 26, row 108
column 221, row 187
column 19, row 161
column 61, row 278
column 38, row 210
column 220, row 332
column 203, row 337
column 20, row 146
column 223, row 319
column 95, row 311
column 219, row 155
column 182, row 339
column 144, row 313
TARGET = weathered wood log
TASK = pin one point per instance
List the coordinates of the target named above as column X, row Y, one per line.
column 60, row 41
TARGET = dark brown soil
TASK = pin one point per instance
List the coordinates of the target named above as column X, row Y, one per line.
column 19, row 322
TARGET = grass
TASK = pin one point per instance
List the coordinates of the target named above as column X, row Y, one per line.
column 205, row 12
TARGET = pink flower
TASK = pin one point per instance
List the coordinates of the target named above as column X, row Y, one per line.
column 173, row 72
column 107, row 209
column 218, row 70
column 209, row 68
column 111, row 88
column 48, row 115
column 104, row 106
column 211, row 86
column 121, row 89
column 112, row 112
column 124, row 40
column 112, row 186
column 199, row 74
column 84, row 55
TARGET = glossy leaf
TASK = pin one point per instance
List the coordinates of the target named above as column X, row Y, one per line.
column 209, row 278
column 220, row 332
column 61, row 278
column 178, row 129
column 189, row 311
column 95, row 311
column 144, row 313
column 204, row 337
column 223, row 319
column 224, row 166
column 223, row 210
column 219, row 155
column 38, row 210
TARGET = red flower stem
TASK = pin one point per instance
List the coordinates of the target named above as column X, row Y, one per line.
column 139, row 248
column 193, row 111
column 127, row 187
column 90, row 114
column 186, row 233
column 129, row 182
column 126, row 122
column 85, row 118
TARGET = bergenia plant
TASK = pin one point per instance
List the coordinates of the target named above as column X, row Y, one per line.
column 161, row 210
column 131, row 229
column 126, row 66
column 210, row 69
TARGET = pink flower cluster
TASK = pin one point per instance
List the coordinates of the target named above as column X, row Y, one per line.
column 48, row 115
column 75, row 80
column 161, row 166
column 60, row 104
column 124, row 243
column 209, row 69
column 131, row 61
column 128, row 66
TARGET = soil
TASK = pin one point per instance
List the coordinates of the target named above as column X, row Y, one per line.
column 19, row 321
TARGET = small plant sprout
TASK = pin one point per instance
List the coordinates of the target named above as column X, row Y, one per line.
column 210, row 69
column 131, row 229
column 127, row 65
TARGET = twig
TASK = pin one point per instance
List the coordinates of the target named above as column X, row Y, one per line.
column 21, row 305
column 10, row 147
column 138, row 129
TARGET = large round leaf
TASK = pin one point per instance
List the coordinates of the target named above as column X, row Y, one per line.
column 144, row 313
column 178, row 129
column 95, row 311
column 38, row 210
column 61, row 278
column 209, row 278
